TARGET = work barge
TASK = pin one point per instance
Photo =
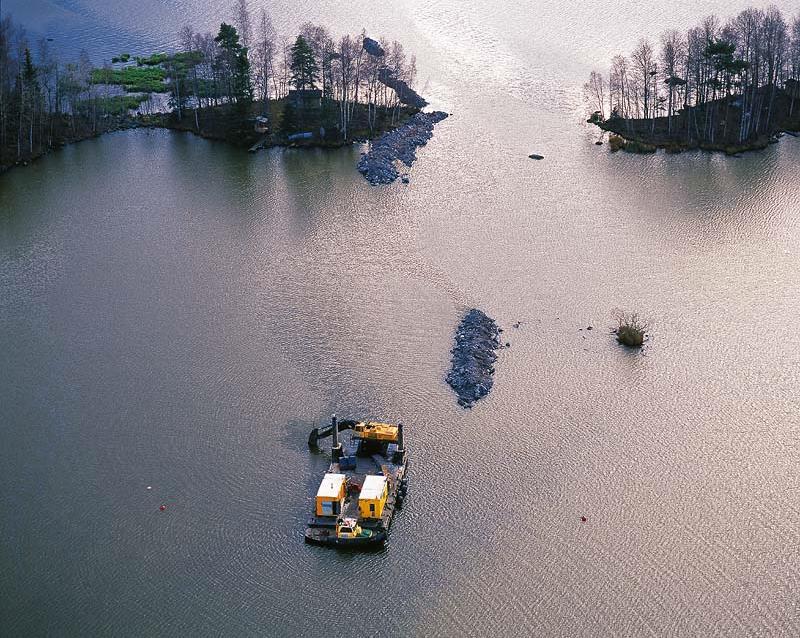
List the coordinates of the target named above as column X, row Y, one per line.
column 364, row 486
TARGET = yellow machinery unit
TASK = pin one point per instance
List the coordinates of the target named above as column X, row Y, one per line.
column 376, row 431
column 349, row 528
column 330, row 495
column 372, row 498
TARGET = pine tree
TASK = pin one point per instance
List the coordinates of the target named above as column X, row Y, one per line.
column 305, row 71
column 234, row 65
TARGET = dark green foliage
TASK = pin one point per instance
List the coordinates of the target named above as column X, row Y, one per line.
column 634, row 146
column 203, row 87
column 134, row 79
column 631, row 337
column 720, row 55
column 290, row 122
column 116, row 105
column 234, row 65
column 305, row 71
column 29, row 71
column 228, row 38
column 187, row 58
column 152, row 60
column 631, row 329
column 720, row 50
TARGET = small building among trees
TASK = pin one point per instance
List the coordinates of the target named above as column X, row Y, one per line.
column 305, row 98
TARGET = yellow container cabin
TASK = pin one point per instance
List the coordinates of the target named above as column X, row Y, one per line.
column 330, row 495
column 373, row 496
column 376, row 431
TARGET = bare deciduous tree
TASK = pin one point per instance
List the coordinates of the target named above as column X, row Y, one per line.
column 595, row 91
column 242, row 22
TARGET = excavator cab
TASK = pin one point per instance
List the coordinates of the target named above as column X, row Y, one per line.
column 374, row 438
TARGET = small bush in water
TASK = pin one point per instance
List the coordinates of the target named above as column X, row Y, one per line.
column 631, row 329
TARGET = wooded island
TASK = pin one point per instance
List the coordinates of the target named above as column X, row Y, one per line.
column 731, row 87
column 243, row 84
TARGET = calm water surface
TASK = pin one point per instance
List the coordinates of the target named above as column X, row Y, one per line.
column 177, row 314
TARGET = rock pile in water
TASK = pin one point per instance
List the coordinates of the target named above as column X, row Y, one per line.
column 379, row 165
column 477, row 338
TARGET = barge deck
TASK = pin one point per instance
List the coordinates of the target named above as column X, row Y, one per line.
column 366, row 481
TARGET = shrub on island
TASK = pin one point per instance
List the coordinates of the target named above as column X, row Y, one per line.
column 632, row 146
column 616, row 143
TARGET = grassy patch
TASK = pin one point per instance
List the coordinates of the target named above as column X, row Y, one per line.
column 187, row 58
column 116, row 105
column 152, row 60
column 134, row 79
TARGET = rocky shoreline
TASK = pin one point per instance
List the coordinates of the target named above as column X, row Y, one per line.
column 477, row 337
column 379, row 166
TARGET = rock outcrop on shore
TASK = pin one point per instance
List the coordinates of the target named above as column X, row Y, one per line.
column 477, row 338
column 405, row 93
column 378, row 166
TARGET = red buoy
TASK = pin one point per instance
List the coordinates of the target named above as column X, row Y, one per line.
column 583, row 519
column 162, row 508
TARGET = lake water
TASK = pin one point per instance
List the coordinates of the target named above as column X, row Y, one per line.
column 177, row 314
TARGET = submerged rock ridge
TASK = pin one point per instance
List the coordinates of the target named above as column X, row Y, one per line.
column 378, row 166
column 477, row 337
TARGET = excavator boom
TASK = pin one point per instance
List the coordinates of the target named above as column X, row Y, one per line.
column 326, row 431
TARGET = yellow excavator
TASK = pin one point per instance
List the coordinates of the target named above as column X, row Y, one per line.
column 369, row 430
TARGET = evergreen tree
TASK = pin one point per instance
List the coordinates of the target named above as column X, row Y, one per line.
column 305, row 71
column 234, row 65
